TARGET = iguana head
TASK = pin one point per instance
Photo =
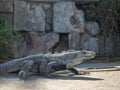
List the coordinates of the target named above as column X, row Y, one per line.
column 72, row 54
column 86, row 54
column 72, row 58
column 69, row 59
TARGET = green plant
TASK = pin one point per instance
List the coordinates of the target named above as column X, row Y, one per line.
column 7, row 37
column 109, row 15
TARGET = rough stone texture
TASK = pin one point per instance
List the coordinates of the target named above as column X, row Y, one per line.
column 48, row 9
column 6, row 6
column 85, row 37
column 91, row 44
column 117, row 44
column 74, row 41
column 90, row 10
column 92, row 28
column 105, row 45
column 78, row 21
column 44, row 0
column 67, row 18
column 20, row 48
column 108, row 46
column 62, row 45
column 64, row 0
column 101, row 44
column 7, row 19
column 62, row 16
column 33, row 43
column 28, row 16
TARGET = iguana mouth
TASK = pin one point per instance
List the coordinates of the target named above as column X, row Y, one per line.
column 89, row 54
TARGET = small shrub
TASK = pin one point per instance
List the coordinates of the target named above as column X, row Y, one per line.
column 7, row 37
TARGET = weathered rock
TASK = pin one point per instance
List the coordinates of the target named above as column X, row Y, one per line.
column 74, row 41
column 86, row 0
column 85, row 37
column 92, row 28
column 65, row 0
column 91, row 44
column 78, row 21
column 49, row 17
column 67, row 18
column 101, row 44
column 7, row 19
column 20, row 48
column 28, row 16
column 62, row 45
column 109, row 46
column 45, row 1
column 105, row 45
column 90, row 10
column 33, row 43
column 6, row 6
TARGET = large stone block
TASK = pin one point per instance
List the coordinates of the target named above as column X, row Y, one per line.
column 46, row 1
column 91, row 44
column 105, row 45
column 28, row 16
column 7, row 19
column 74, row 41
column 67, row 18
column 6, row 6
column 34, row 43
column 85, row 37
column 48, row 9
column 65, row 0
column 62, row 45
column 92, row 28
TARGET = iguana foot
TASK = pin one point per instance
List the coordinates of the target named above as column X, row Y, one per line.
column 51, row 76
column 83, row 73
column 78, row 72
column 22, row 75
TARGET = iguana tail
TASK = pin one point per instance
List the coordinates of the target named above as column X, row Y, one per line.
column 9, row 66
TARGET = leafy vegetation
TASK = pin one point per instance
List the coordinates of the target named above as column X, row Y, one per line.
column 109, row 14
column 7, row 38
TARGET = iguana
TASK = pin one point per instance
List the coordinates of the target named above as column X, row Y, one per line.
column 47, row 63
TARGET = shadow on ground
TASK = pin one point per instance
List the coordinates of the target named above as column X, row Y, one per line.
column 56, row 77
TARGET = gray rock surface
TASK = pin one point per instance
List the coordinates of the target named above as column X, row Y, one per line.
column 92, row 28
column 7, row 19
column 67, row 18
column 29, row 16
column 105, row 45
column 48, row 9
column 85, row 37
column 33, row 43
column 74, row 41
column 91, row 44
column 6, row 6
column 65, row 0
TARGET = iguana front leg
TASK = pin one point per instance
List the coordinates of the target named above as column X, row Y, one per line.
column 49, row 67
column 78, row 72
column 25, row 69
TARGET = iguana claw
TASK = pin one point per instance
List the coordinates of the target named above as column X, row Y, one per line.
column 22, row 75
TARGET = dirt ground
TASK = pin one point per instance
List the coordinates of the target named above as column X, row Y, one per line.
column 107, row 80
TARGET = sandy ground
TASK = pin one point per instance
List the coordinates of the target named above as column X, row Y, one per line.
column 107, row 80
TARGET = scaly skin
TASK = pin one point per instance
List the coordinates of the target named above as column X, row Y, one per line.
column 47, row 63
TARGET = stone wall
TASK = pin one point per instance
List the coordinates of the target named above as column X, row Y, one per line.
column 54, row 26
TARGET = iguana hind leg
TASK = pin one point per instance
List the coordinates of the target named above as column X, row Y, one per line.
column 25, row 69
column 53, row 67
